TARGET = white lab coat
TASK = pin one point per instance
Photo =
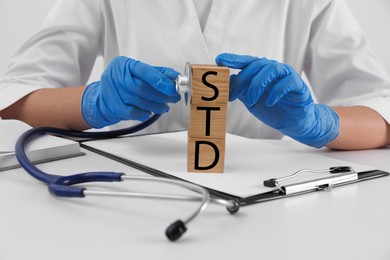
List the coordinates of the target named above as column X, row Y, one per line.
column 318, row 37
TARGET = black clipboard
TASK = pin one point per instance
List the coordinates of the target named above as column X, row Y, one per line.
column 273, row 194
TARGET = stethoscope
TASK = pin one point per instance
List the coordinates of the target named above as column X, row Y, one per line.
column 65, row 186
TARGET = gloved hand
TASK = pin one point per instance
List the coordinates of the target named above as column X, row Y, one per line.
column 277, row 95
column 128, row 90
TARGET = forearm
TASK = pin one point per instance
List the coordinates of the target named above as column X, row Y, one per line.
column 58, row 107
column 360, row 128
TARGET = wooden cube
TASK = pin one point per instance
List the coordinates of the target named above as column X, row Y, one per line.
column 210, row 84
column 208, row 121
column 207, row 155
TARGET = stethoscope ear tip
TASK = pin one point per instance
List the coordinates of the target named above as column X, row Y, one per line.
column 175, row 230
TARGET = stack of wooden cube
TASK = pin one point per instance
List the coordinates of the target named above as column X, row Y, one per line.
column 207, row 129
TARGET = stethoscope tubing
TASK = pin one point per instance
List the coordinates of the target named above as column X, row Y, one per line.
column 63, row 185
column 33, row 133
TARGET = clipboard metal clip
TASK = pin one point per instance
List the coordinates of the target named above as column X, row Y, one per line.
column 337, row 176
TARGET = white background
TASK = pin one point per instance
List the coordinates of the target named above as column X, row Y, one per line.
column 20, row 18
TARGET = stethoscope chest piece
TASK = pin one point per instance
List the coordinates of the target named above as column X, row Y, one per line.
column 184, row 83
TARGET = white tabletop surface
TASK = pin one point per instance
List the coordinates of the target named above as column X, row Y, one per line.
column 350, row 222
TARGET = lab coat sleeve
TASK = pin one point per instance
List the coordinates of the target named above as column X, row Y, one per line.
column 61, row 54
column 340, row 65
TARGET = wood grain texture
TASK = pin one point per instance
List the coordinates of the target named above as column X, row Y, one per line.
column 200, row 91
column 208, row 121
column 208, row 113
column 206, row 155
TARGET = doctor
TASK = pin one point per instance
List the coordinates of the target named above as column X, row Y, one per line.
column 145, row 43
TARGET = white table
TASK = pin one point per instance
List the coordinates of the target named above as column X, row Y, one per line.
column 350, row 222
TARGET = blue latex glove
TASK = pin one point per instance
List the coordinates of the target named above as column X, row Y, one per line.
column 128, row 90
column 277, row 95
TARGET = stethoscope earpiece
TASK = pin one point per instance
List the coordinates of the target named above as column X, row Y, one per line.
column 175, row 230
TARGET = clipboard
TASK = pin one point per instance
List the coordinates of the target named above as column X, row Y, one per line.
column 248, row 163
